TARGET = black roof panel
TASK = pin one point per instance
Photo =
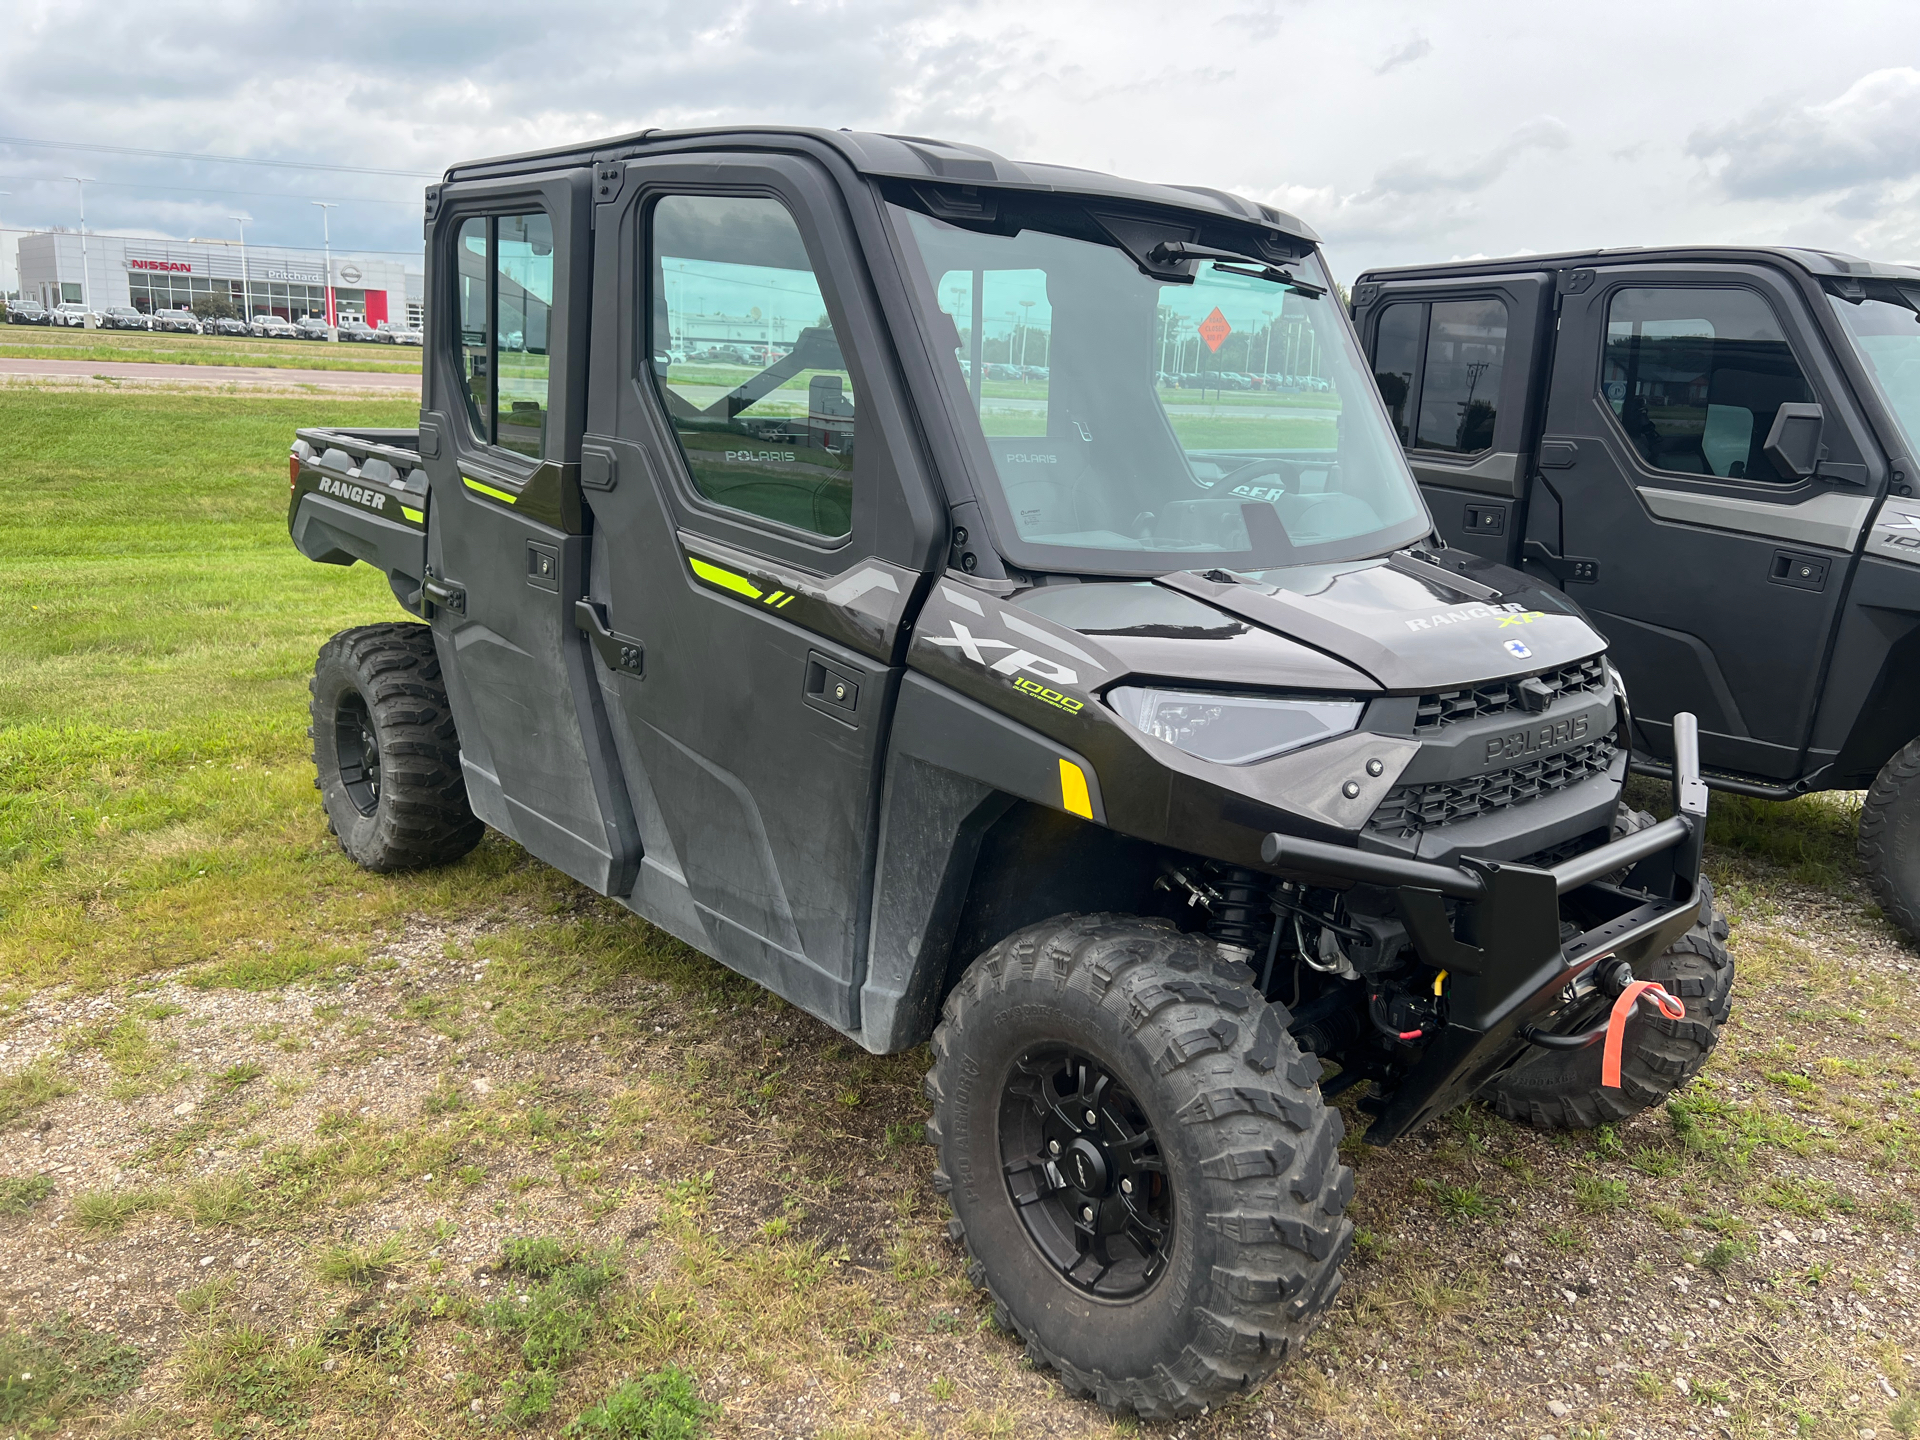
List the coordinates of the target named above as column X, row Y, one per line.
column 906, row 157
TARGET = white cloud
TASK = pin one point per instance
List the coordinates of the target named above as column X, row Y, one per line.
column 1418, row 48
column 1783, row 150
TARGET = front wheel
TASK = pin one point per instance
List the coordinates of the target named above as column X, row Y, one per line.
column 1889, row 844
column 1139, row 1161
column 386, row 756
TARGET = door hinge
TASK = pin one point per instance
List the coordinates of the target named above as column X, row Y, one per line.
column 443, row 594
column 622, row 653
column 1567, row 569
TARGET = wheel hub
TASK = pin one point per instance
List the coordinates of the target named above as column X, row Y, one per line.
column 1085, row 1173
column 357, row 749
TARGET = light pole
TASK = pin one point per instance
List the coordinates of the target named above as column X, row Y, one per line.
column 1026, row 324
column 246, row 279
column 84, row 305
column 1266, row 362
column 16, row 259
column 326, row 246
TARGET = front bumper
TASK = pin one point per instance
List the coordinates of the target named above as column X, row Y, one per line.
column 1501, row 944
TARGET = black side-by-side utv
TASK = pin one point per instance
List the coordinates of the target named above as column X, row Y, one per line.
column 826, row 552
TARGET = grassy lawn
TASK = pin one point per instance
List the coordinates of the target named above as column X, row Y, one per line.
column 32, row 342
column 285, row 1146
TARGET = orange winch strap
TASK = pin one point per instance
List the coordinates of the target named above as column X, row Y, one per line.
column 1617, row 1024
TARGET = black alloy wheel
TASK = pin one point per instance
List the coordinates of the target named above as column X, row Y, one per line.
column 1084, row 1171
column 357, row 745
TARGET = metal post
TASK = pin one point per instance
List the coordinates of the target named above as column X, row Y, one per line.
column 326, row 245
column 85, row 304
column 246, row 278
column 16, row 258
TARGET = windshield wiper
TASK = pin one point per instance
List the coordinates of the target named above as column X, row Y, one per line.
column 1172, row 251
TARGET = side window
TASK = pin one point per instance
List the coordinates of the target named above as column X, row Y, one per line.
column 1695, row 377
column 504, row 296
column 747, row 364
column 1396, row 356
column 1466, row 354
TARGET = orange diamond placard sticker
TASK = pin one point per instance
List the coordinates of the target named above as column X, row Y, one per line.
column 1215, row 329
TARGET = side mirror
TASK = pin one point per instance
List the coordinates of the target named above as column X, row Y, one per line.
column 1793, row 444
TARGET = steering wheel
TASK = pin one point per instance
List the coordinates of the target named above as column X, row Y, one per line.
column 1268, row 465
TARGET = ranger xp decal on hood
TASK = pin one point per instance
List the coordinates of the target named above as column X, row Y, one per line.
column 1017, row 658
column 1509, row 614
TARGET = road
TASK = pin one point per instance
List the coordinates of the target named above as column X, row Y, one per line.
column 215, row 374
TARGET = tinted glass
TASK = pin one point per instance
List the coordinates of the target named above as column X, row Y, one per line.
column 523, row 306
column 1886, row 329
column 1396, row 352
column 1466, row 353
column 1226, row 420
column 748, row 365
column 1016, row 328
column 470, row 300
column 1695, row 376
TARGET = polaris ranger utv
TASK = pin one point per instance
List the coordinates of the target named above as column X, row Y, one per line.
column 820, row 558
column 1713, row 450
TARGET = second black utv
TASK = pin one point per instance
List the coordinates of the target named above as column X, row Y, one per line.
column 818, row 559
column 1712, row 448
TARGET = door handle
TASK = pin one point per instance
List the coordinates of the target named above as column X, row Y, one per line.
column 622, row 653
column 1567, row 569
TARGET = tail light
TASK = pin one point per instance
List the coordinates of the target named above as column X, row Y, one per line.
column 293, row 473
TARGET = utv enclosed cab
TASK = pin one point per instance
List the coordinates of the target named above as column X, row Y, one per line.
column 825, row 558
column 1711, row 449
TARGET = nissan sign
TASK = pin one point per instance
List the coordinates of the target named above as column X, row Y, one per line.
column 179, row 267
column 350, row 274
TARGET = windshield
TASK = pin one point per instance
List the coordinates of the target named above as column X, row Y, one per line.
column 1136, row 425
column 1886, row 331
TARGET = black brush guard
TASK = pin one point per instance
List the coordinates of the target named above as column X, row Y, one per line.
column 1509, row 970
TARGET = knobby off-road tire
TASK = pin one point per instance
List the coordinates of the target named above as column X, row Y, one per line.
column 385, row 754
column 1561, row 1089
column 1889, row 844
column 1251, row 1194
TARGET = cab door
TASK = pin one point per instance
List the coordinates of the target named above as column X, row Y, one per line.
column 1714, row 572
column 503, row 396
column 1458, row 363
column 763, row 524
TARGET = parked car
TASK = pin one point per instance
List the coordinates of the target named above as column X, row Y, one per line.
column 272, row 327
column 123, row 317
column 225, row 325
column 71, row 314
column 313, row 328
column 175, row 321
column 357, row 331
column 398, row 332
column 28, row 312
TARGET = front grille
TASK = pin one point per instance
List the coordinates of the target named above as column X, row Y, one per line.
column 1445, row 707
column 1410, row 809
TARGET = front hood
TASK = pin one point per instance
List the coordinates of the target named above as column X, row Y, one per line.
column 1406, row 623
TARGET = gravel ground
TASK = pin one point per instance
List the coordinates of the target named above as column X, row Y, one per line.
column 292, row 1204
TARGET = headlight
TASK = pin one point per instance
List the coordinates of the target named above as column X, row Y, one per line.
column 1231, row 729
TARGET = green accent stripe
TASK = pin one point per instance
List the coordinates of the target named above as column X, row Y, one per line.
column 714, row 575
column 414, row 515
column 488, row 490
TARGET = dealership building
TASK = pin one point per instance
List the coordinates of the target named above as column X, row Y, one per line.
column 154, row 275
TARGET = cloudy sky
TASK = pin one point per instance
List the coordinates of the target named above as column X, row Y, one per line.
column 1403, row 131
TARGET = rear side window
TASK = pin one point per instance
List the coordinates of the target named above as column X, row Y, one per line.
column 1438, row 366
column 1396, row 360
column 1695, row 378
column 747, row 363
column 505, row 285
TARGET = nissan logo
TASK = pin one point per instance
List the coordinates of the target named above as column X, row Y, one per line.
column 350, row 274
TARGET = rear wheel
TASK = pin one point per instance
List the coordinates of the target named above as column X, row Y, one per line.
column 1561, row 1089
column 1890, row 838
column 386, row 757
column 1139, row 1161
